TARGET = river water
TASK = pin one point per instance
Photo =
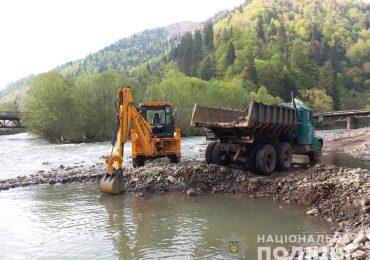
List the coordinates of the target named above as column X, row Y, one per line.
column 24, row 154
column 76, row 221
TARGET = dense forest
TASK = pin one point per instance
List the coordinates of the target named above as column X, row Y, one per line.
column 319, row 50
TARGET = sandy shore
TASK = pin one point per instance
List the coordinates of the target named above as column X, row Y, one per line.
column 353, row 142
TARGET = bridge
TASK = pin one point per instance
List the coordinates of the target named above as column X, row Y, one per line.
column 351, row 116
column 9, row 119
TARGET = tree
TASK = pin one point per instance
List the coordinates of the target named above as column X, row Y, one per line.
column 230, row 55
column 263, row 95
column 208, row 37
column 317, row 100
column 250, row 72
column 206, row 68
column 197, row 55
column 260, row 31
column 327, row 79
column 50, row 108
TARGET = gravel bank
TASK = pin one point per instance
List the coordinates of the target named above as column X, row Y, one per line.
column 340, row 195
column 354, row 142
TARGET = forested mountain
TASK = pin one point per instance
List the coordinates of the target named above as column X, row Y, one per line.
column 128, row 52
column 265, row 49
column 119, row 56
column 313, row 48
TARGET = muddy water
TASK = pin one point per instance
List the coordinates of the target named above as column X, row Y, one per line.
column 76, row 222
column 24, row 154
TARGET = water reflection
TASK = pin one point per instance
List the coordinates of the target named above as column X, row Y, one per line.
column 76, row 221
column 343, row 160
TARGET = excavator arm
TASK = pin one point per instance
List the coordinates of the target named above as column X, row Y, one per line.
column 127, row 114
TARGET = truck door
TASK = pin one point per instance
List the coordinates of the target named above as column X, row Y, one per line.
column 305, row 129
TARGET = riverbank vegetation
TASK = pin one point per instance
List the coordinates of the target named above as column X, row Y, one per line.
column 268, row 49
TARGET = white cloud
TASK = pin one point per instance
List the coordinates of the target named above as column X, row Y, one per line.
column 38, row 35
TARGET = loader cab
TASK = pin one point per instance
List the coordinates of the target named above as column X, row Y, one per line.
column 160, row 116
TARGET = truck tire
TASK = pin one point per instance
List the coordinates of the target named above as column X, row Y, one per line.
column 217, row 157
column 174, row 158
column 284, row 156
column 209, row 150
column 251, row 159
column 266, row 159
column 315, row 156
column 139, row 161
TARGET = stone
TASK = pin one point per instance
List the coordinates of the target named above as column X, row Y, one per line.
column 359, row 254
column 312, row 212
column 52, row 182
column 171, row 179
column 192, row 192
column 361, row 238
column 351, row 247
column 365, row 202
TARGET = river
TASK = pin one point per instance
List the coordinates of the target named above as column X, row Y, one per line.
column 75, row 221
column 24, row 154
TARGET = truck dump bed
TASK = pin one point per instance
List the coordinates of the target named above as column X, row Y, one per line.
column 271, row 119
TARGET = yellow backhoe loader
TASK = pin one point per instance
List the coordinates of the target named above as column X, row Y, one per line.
column 153, row 135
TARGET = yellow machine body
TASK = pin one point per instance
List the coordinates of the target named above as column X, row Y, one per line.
column 149, row 140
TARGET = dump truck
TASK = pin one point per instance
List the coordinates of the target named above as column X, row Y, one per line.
column 153, row 135
column 263, row 137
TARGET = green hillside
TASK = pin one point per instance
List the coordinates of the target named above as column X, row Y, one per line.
column 265, row 49
column 311, row 48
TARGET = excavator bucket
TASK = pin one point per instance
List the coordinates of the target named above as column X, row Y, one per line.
column 112, row 183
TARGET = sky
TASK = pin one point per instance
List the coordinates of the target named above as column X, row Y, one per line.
column 38, row 35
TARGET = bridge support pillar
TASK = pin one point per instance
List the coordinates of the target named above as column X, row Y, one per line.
column 352, row 123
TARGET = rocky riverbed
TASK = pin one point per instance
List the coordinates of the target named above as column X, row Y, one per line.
column 340, row 195
column 355, row 142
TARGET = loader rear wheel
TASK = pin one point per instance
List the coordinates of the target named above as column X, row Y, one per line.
column 139, row 161
column 217, row 156
column 174, row 159
column 266, row 159
column 284, row 156
column 209, row 150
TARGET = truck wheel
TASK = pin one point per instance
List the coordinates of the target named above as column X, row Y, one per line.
column 251, row 159
column 139, row 161
column 284, row 156
column 217, row 156
column 315, row 156
column 174, row 158
column 209, row 150
column 266, row 159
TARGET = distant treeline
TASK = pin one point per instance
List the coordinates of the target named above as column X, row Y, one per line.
column 61, row 109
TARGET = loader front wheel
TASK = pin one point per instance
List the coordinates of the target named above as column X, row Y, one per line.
column 139, row 161
column 209, row 150
column 266, row 159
